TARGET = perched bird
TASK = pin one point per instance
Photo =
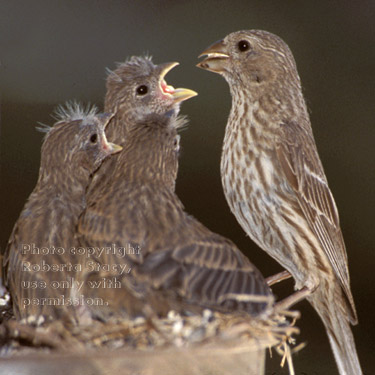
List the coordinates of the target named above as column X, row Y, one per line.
column 172, row 261
column 39, row 267
column 274, row 181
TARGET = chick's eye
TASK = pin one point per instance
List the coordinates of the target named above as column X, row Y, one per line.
column 142, row 90
column 94, row 138
column 244, row 45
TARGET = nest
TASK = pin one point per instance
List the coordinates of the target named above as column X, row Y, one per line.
column 210, row 343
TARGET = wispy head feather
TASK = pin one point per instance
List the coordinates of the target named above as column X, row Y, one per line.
column 135, row 66
column 70, row 111
column 73, row 111
column 112, row 75
column 181, row 122
column 43, row 128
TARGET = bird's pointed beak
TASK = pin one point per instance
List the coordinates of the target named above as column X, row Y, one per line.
column 109, row 148
column 178, row 95
column 217, row 57
column 166, row 67
column 113, row 148
column 106, row 118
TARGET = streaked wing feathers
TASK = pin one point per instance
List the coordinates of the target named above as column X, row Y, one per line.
column 99, row 227
column 210, row 274
column 301, row 165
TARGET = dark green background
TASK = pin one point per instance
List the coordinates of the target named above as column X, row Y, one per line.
column 52, row 51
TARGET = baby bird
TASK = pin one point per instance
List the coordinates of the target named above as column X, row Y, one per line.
column 40, row 263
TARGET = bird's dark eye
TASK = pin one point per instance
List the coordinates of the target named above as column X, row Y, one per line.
column 142, row 90
column 244, row 45
column 94, row 138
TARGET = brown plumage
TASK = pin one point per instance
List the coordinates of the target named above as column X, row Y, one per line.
column 177, row 263
column 135, row 86
column 274, row 181
column 44, row 233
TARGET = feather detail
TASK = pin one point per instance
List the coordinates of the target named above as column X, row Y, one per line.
column 73, row 110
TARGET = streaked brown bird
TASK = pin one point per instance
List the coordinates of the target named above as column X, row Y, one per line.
column 137, row 219
column 274, row 181
column 135, row 86
column 38, row 264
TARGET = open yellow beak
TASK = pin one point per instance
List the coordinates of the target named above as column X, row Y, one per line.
column 178, row 95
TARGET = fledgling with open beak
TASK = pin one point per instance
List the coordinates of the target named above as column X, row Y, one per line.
column 136, row 87
column 37, row 262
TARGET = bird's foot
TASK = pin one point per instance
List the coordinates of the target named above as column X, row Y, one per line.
column 281, row 276
column 297, row 296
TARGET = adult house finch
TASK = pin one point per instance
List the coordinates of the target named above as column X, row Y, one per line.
column 176, row 263
column 38, row 261
column 274, row 181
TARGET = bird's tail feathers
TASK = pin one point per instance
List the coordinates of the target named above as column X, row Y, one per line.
column 340, row 336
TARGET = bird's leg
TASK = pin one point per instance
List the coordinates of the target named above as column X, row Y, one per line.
column 297, row 296
column 281, row 276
